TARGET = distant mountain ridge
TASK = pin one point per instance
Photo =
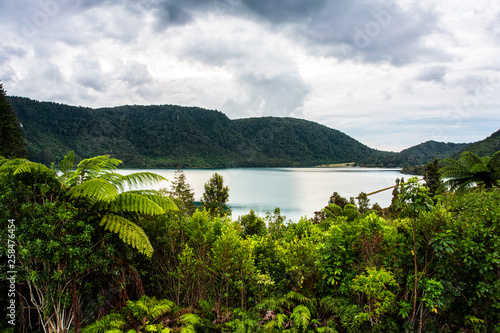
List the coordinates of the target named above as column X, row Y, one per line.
column 171, row 135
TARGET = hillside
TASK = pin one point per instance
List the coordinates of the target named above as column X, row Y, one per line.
column 427, row 151
column 168, row 135
column 416, row 155
column 486, row 147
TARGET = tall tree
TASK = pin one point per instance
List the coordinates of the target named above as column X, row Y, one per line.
column 12, row 144
column 182, row 193
column 471, row 170
column 216, row 196
column 432, row 177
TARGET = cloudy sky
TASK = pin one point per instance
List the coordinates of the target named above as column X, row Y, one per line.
column 391, row 74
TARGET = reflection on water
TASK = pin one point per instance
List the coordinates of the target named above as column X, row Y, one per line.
column 297, row 192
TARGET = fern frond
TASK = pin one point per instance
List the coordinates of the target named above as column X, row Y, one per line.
column 138, row 309
column 113, row 178
column 330, row 304
column 31, row 167
column 142, row 178
column 137, row 203
column 479, row 168
column 163, row 201
column 190, row 319
column 281, row 320
column 301, row 316
column 494, row 162
column 451, row 164
column 129, row 232
column 93, row 167
column 269, row 304
column 449, row 172
column 108, row 323
column 9, row 166
column 297, row 297
column 159, row 309
column 469, row 159
column 98, row 189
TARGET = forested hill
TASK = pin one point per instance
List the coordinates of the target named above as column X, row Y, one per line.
column 486, row 147
column 169, row 135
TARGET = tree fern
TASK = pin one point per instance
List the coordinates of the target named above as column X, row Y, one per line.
column 103, row 192
column 299, row 298
column 470, row 170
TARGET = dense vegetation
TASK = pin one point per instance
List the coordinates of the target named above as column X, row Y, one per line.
column 169, row 135
column 426, row 263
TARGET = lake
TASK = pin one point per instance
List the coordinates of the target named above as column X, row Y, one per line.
column 298, row 192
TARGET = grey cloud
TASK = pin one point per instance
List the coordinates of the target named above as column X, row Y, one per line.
column 278, row 11
column 370, row 31
column 169, row 14
column 477, row 85
column 88, row 74
column 280, row 95
column 436, row 74
column 8, row 51
column 180, row 12
column 373, row 32
column 215, row 51
column 135, row 74
column 52, row 73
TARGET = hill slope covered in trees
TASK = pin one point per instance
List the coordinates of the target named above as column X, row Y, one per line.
column 486, row 147
column 168, row 135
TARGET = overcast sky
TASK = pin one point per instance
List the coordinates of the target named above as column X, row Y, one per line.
column 391, row 74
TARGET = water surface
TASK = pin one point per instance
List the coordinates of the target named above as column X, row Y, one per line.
column 298, row 192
